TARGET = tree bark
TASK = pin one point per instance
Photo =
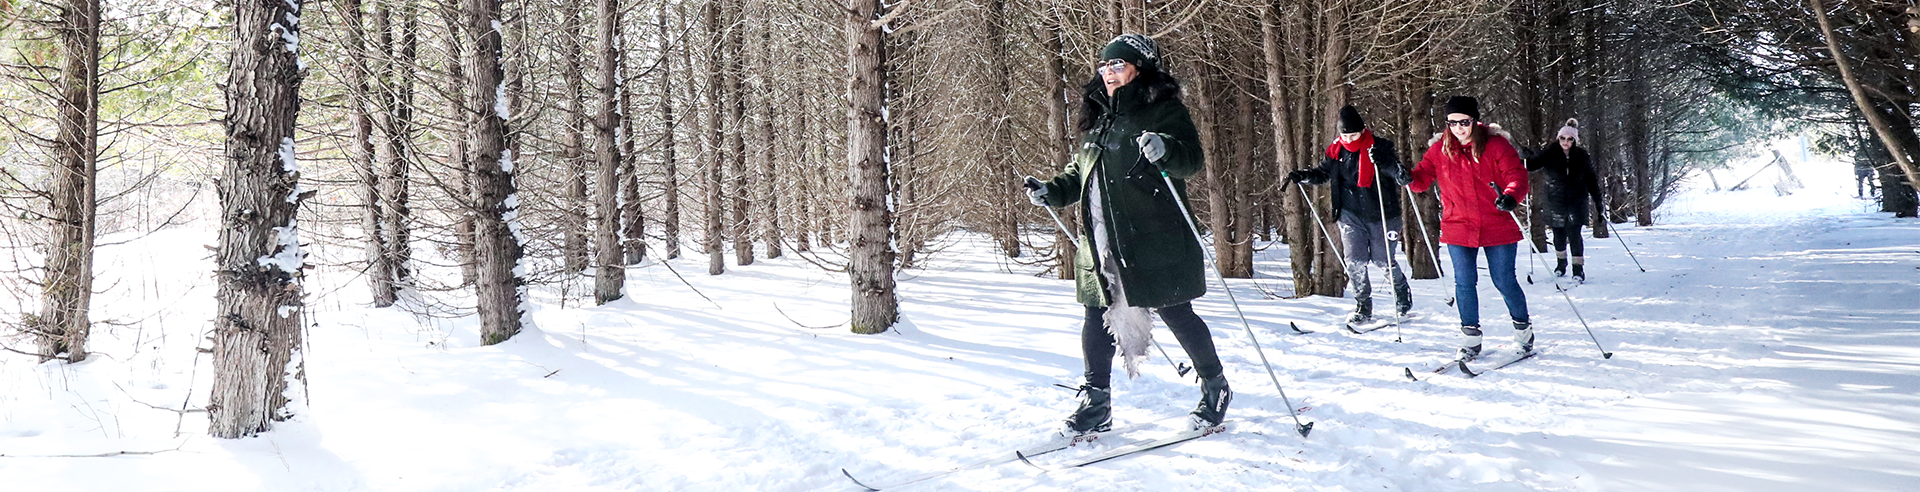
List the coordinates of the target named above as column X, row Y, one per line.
column 1005, row 178
column 1301, row 246
column 257, row 324
column 500, row 288
column 67, row 289
column 611, row 278
column 870, row 220
column 769, row 190
column 365, row 103
column 394, row 189
column 1060, row 135
column 457, row 155
column 669, row 160
column 715, row 207
column 740, row 186
column 573, row 150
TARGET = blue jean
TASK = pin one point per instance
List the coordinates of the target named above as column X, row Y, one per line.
column 1466, row 278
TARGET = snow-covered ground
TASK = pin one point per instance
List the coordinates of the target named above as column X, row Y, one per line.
column 1770, row 345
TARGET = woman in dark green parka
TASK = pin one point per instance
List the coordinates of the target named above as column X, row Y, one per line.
column 1136, row 252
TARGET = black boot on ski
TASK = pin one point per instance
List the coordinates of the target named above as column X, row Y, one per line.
column 1580, row 270
column 1560, row 267
column 1403, row 304
column 1523, row 336
column 1095, row 413
column 1362, row 312
column 1214, row 398
column 1469, row 342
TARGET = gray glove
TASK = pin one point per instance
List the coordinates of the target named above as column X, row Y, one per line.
column 1036, row 191
column 1153, row 146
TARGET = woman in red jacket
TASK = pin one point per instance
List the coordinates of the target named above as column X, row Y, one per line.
column 1481, row 180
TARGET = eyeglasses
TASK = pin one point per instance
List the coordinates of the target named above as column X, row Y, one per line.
column 1566, row 139
column 1466, row 122
column 1111, row 66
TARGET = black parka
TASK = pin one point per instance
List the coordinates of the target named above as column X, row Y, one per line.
column 1570, row 181
column 1349, row 198
column 1160, row 262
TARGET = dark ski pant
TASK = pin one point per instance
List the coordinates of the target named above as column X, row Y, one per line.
column 1368, row 243
column 1569, row 235
column 1098, row 345
column 1466, row 278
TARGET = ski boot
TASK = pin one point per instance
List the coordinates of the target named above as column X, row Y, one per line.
column 1560, row 265
column 1362, row 313
column 1523, row 337
column 1469, row 342
column 1579, row 269
column 1214, row 398
column 1095, row 414
column 1403, row 303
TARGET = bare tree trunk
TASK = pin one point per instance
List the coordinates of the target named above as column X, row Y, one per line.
column 457, row 155
column 1005, row 177
column 670, row 174
column 1060, row 134
column 365, row 102
column 1334, row 71
column 803, row 211
column 611, row 278
column 769, row 192
column 716, row 160
column 1302, row 248
column 740, row 186
column 394, row 177
column 500, row 288
column 1241, row 218
column 257, row 326
column 633, row 217
column 870, row 265
column 67, row 288
column 573, row 150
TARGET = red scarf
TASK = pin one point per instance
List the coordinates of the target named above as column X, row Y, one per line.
column 1358, row 146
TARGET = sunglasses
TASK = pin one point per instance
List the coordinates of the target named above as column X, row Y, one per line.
column 1467, row 122
column 1111, row 66
column 1566, row 139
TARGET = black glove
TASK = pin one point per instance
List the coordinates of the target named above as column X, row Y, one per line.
column 1036, row 191
column 1297, row 176
column 1505, row 203
column 1403, row 175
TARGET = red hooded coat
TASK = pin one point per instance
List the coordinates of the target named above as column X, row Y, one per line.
column 1468, row 217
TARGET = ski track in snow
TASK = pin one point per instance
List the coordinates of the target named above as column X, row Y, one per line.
column 1770, row 346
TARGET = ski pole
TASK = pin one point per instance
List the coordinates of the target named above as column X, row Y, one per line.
column 1179, row 367
column 1323, row 230
column 1623, row 240
column 1303, row 428
column 1380, row 197
column 1433, row 248
column 1604, row 354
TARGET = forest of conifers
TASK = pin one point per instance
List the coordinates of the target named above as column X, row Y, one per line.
column 456, row 153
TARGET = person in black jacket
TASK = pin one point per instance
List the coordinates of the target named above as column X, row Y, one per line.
column 1366, row 174
column 1570, row 181
column 1138, row 147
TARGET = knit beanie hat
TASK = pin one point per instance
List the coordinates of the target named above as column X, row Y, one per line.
column 1463, row 105
column 1134, row 48
column 1572, row 130
column 1350, row 121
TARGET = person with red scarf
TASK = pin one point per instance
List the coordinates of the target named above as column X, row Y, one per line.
column 1365, row 173
column 1481, row 180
